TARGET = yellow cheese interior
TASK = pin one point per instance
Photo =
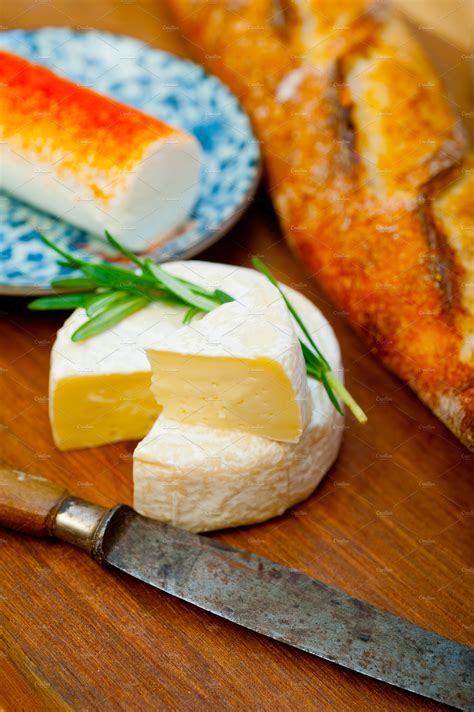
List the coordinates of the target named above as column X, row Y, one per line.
column 87, row 411
column 252, row 395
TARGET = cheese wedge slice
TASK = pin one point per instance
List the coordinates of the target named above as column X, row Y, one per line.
column 240, row 366
column 202, row 478
column 90, row 160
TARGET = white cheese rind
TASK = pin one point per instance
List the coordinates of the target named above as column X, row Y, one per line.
column 201, row 479
column 144, row 205
column 240, row 366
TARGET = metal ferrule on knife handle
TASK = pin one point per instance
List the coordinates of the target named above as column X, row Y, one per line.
column 33, row 505
column 84, row 524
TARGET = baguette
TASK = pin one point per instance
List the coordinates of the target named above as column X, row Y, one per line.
column 368, row 171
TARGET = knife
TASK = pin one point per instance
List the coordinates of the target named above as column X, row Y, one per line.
column 250, row 590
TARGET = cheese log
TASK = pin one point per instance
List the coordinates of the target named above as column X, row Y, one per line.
column 90, row 160
column 201, row 479
column 240, row 366
column 368, row 171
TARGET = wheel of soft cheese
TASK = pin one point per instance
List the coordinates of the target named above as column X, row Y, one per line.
column 90, row 160
column 201, row 478
column 195, row 477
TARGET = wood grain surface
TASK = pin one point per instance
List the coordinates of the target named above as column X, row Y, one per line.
column 391, row 523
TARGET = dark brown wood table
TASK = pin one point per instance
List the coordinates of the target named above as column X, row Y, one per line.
column 391, row 523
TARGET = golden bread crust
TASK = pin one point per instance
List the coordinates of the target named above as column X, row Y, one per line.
column 366, row 169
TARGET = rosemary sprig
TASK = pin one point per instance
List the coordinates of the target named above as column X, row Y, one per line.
column 316, row 364
column 110, row 294
column 108, row 317
column 59, row 301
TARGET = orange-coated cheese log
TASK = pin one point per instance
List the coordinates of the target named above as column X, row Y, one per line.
column 92, row 161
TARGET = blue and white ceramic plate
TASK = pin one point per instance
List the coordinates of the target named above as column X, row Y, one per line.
column 172, row 89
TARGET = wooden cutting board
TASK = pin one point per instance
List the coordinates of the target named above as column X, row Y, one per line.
column 391, row 523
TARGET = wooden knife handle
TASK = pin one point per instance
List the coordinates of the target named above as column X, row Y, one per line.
column 29, row 503
column 34, row 505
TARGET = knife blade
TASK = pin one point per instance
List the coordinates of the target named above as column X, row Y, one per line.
column 252, row 591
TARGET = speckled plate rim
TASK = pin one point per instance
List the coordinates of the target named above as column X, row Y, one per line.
column 213, row 237
column 26, row 291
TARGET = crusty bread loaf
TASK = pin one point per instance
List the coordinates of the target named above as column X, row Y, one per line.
column 367, row 169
